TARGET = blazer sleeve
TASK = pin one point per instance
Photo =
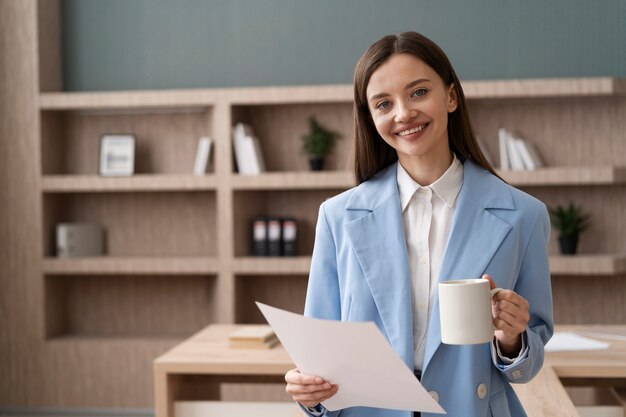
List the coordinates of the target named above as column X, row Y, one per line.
column 534, row 285
column 322, row 296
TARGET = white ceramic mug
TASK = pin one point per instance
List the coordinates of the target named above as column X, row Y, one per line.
column 465, row 311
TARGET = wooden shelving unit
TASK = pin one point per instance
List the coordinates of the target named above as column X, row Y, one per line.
column 168, row 124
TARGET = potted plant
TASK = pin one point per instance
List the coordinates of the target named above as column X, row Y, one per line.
column 318, row 143
column 570, row 222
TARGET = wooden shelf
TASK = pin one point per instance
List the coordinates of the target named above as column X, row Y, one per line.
column 544, row 88
column 154, row 99
column 341, row 93
column 119, row 265
column 594, row 264
column 566, row 176
column 195, row 98
column 139, row 182
column 294, row 181
column 164, row 341
column 272, row 265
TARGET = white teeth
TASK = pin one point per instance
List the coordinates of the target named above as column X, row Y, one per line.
column 414, row 130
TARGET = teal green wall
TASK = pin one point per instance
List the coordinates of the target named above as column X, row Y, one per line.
column 152, row 44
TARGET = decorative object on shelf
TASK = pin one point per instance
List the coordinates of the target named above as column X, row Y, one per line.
column 318, row 143
column 117, row 155
column 517, row 154
column 248, row 154
column 274, row 236
column 570, row 222
column 74, row 240
column 203, row 156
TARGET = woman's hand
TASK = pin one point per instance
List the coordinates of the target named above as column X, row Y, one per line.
column 510, row 317
column 308, row 390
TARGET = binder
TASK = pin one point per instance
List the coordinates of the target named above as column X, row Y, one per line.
column 259, row 236
column 290, row 236
column 274, row 236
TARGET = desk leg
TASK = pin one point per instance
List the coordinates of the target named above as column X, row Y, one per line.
column 164, row 389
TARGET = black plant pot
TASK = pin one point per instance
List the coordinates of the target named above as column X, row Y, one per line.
column 316, row 163
column 568, row 244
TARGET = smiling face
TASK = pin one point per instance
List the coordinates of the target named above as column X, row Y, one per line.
column 409, row 104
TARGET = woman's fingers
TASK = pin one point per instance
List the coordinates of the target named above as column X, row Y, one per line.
column 295, row 377
column 314, row 398
column 308, row 390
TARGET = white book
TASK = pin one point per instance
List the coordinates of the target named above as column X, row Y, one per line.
column 258, row 155
column 534, row 154
column 203, row 154
column 504, row 157
column 242, row 156
column 483, row 148
column 520, row 145
column 514, row 157
column 250, row 165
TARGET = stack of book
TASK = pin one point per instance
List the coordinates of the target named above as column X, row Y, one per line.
column 248, row 155
column 253, row 337
column 517, row 154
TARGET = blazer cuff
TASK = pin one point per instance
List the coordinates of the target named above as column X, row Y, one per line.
column 501, row 361
column 316, row 411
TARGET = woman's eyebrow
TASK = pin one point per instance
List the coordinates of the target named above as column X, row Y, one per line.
column 409, row 85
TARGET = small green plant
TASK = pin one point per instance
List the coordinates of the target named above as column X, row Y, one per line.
column 319, row 141
column 569, row 221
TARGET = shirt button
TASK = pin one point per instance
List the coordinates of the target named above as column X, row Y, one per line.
column 481, row 391
column 421, row 307
column 424, row 259
column 434, row 395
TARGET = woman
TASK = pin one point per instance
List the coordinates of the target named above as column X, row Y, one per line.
column 428, row 208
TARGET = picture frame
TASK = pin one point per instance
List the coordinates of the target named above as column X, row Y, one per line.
column 117, row 155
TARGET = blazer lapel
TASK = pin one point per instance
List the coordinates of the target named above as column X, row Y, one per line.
column 475, row 236
column 378, row 241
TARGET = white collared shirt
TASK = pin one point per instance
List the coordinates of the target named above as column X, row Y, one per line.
column 427, row 214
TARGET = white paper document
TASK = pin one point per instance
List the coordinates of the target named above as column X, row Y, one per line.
column 565, row 341
column 355, row 356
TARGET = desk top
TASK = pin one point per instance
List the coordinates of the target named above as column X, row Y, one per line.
column 208, row 352
column 609, row 363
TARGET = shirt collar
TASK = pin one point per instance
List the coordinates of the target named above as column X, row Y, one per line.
column 447, row 187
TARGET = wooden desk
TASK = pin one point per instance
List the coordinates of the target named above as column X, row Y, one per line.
column 207, row 354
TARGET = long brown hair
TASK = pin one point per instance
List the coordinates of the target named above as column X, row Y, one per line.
column 371, row 152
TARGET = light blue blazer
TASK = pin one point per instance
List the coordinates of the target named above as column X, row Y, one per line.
column 360, row 272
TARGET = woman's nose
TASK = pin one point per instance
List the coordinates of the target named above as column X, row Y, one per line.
column 404, row 113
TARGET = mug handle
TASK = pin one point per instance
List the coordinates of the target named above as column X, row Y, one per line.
column 494, row 292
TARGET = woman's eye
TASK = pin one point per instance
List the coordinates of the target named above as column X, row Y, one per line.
column 419, row 92
column 383, row 105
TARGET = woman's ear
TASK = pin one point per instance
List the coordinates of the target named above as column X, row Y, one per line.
column 452, row 98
